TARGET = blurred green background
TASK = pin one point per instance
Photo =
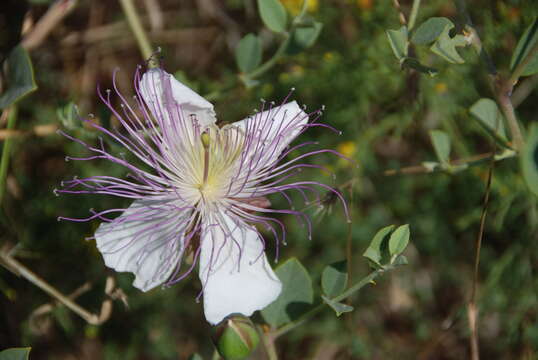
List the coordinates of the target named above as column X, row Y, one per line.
column 385, row 114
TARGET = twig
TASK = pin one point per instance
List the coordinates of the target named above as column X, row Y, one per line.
column 19, row 269
column 472, row 312
column 155, row 15
column 47, row 23
column 470, row 161
column 38, row 130
column 401, row 15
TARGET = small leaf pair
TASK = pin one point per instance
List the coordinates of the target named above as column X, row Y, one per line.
column 387, row 247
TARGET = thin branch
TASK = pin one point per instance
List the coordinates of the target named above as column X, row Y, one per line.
column 19, row 269
column 401, row 15
column 54, row 15
column 469, row 161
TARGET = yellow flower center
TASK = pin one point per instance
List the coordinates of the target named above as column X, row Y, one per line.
column 218, row 151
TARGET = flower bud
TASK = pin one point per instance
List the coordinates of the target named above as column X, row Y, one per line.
column 235, row 338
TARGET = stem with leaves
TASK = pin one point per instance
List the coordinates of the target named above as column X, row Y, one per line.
column 346, row 294
column 262, row 69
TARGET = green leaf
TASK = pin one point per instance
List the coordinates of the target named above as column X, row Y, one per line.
column 445, row 46
column 20, row 79
column 296, row 297
column 273, row 14
column 377, row 251
column 339, row 308
column 398, row 42
column 430, row 30
column 524, row 45
column 441, row 145
column 15, row 354
column 529, row 159
column 334, row 278
column 304, row 37
column 413, row 63
column 248, row 53
column 490, row 118
column 398, row 241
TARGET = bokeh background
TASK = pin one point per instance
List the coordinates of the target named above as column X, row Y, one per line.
column 384, row 113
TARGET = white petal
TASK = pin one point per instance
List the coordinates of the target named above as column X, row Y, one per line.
column 159, row 88
column 139, row 241
column 285, row 121
column 239, row 280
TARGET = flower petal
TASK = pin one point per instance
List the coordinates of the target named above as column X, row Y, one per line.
column 160, row 89
column 144, row 240
column 275, row 129
column 234, row 271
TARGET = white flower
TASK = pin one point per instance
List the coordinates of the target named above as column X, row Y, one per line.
column 198, row 191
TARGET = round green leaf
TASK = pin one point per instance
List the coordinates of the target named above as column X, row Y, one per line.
column 334, row 278
column 398, row 42
column 273, row 14
column 20, row 79
column 296, row 297
column 248, row 53
column 441, row 145
column 304, row 37
column 429, row 30
column 490, row 118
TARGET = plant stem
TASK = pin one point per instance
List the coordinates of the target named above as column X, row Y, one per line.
column 414, row 13
column 469, row 161
column 4, row 162
column 138, row 30
column 501, row 88
column 262, row 69
column 269, row 345
column 505, row 103
column 310, row 314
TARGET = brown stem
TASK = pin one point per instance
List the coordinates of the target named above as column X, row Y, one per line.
column 472, row 160
column 19, row 269
column 48, row 22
